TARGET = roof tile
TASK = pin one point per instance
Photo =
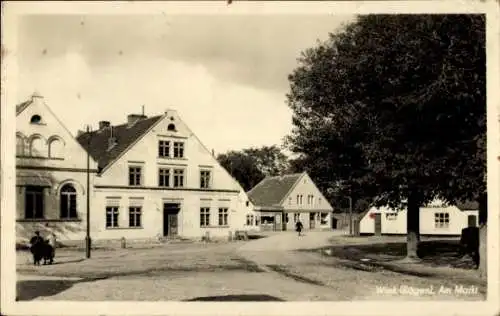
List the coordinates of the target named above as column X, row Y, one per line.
column 125, row 136
column 272, row 190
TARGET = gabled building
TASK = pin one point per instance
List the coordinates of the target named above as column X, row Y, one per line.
column 157, row 179
column 51, row 174
column 436, row 218
column 280, row 201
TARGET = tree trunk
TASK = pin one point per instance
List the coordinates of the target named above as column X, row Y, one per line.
column 483, row 217
column 413, row 227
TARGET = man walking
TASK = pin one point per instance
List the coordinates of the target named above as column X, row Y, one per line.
column 298, row 226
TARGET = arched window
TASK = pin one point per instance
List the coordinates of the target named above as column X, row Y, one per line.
column 36, row 119
column 37, row 147
column 171, row 127
column 19, row 145
column 68, row 202
column 56, row 148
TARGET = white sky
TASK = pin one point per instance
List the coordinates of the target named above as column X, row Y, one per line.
column 225, row 75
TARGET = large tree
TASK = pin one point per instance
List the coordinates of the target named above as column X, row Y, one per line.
column 392, row 104
column 249, row 166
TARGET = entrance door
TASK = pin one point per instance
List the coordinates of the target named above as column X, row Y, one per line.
column 170, row 222
column 277, row 222
column 472, row 220
column 285, row 220
column 312, row 220
column 378, row 224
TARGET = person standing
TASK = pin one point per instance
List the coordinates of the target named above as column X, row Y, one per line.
column 52, row 243
column 36, row 244
column 298, row 227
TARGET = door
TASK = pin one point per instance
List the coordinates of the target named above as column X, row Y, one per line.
column 277, row 222
column 312, row 220
column 378, row 224
column 170, row 220
column 472, row 220
column 285, row 216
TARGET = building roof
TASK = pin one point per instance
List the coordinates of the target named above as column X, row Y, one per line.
column 272, row 190
column 468, row 206
column 124, row 135
column 22, row 106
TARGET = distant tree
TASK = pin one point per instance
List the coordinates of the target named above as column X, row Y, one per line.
column 395, row 106
column 250, row 166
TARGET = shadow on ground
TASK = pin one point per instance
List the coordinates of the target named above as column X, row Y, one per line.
column 28, row 290
column 240, row 298
column 436, row 253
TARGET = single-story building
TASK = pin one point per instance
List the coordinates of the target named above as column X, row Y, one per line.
column 436, row 218
column 280, row 201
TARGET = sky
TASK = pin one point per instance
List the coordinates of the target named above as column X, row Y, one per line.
column 225, row 75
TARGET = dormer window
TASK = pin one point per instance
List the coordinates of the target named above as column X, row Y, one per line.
column 171, row 127
column 36, row 119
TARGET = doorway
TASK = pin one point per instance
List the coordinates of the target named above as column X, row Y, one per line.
column 472, row 220
column 170, row 219
column 312, row 220
column 378, row 224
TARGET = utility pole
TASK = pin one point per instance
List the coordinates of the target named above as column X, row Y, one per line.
column 87, row 237
column 350, row 216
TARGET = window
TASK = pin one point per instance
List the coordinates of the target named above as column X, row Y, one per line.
column 296, row 217
column 310, row 199
column 319, row 201
column 324, row 220
column 442, row 220
column 178, row 178
column 223, row 214
column 178, row 150
column 164, row 177
column 34, row 203
column 36, row 119
column 204, row 179
column 298, row 199
column 249, row 220
column 134, row 216
column 290, row 201
column 134, row 176
column 287, row 218
column 391, row 216
column 171, row 127
column 163, row 148
column 257, row 220
column 56, row 148
column 301, row 196
column 112, row 216
column 37, row 147
column 204, row 217
column 68, row 202
column 19, row 145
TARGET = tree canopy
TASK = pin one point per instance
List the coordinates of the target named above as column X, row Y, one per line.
column 249, row 166
column 396, row 106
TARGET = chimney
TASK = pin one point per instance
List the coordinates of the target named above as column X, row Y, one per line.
column 132, row 118
column 111, row 139
column 104, row 124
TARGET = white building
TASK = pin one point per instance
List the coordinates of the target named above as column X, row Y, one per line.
column 150, row 177
column 51, row 174
column 280, row 201
column 436, row 218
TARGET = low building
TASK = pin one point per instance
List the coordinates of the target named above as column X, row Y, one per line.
column 51, row 174
column 436, row 218
column 156, row 179
column 279, row 202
